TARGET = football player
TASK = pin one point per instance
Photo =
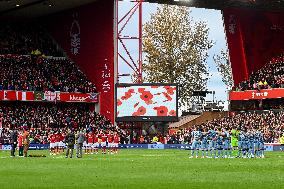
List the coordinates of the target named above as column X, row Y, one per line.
column 195, row 142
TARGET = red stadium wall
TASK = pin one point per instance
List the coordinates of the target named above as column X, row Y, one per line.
column 86, row 35
column 254, row 38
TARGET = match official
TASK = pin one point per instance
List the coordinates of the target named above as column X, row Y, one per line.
column 80, row 138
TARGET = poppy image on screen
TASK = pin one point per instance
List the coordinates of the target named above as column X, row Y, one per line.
column 146, row 101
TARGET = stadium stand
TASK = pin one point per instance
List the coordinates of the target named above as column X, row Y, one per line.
column 28, row 63
column 270, row 76
column 23, row 39
column 43, row 74
column 31, row 61
column 42, row 118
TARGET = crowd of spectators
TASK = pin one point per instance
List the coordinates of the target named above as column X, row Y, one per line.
column 270, row 76
column 41, row 118
column 27, row 62
column 42, row 74
column 270, row 123
column 22, row 39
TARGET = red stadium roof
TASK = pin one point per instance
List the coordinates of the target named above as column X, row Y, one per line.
column 271, row 5
column 15, row 9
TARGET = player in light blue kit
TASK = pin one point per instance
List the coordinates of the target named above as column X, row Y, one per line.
column 195, row 142
column 246, row 145
column 204, row 143
column 212, row 137
column 227, row 147
column 241, row 139
column 251, row 143
column 261, row 145
column 219, row 144
column 257, row 144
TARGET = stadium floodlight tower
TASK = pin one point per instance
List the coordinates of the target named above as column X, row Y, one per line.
column 123, row 40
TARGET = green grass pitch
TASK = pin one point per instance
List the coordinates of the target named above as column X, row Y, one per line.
column 141, row 169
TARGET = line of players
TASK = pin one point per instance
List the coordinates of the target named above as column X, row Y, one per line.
column 93, row 142
column 102, row 140
column 220, row 143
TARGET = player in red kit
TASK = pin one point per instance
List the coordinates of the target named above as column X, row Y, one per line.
column 99, row 135
column 20, row 144
column 85, row 144
column 110, row 142
column 96, row 143
column 116, row 141
column 62, row 144
column 60, row 138
column 51, row 139
column 90, row 141
column 103, row 143
column 57, row 142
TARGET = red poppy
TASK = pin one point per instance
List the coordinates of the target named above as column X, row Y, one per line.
column 131, row 91
column 155, row 87
column 118, row 102
column 126, row 96
column 161, row 110
column 170, row 90
column 136, row 104
column 146, row 96
column 141, row 110
column 141, row 90
column 168, row 97
column 135, row 114
column 149, row 102
column 172, row 113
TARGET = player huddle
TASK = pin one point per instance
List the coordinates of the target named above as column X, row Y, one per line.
column 92, row 142
column 220, row 143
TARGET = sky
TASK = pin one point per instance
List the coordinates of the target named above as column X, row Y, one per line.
column 215, row 23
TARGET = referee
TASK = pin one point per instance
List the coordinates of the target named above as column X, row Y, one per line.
column 80, row 138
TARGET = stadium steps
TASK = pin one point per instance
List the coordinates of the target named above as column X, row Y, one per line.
column 188, row 121
column 183, row 120
column 206, row 116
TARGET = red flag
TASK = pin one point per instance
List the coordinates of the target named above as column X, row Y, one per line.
column 9, row 95
column 25, row 95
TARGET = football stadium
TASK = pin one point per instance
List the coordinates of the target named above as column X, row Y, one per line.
column 85, row 105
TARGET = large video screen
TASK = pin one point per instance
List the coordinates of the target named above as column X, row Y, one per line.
column 146, row 102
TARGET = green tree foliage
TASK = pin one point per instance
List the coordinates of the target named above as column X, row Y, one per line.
column 176, row 50
column 224, row 68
